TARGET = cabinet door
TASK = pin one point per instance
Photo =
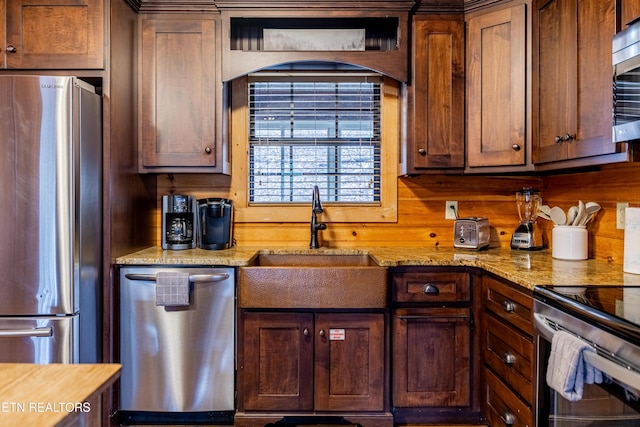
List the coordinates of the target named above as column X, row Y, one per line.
column 630, row 11
column 278, row 361
column 62, row 34
column 431, row 357
column 596, row 28
column 574, row 79
column 496, row 84
column 436, row 99
column 556, row 73
column 178, row 94
column 349, row 365
column 3, row 32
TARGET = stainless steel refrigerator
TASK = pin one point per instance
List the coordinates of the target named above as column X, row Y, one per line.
column 51, row 220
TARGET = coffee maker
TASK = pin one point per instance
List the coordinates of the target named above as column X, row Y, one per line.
column 178, row 222
column 215, row 229
column 527, row 236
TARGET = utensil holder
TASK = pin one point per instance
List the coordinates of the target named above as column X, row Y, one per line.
column 570, row 242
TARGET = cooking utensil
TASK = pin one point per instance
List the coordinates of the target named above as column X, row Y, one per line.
column 545, row 212
column 581, row 214
column 558, row 216
column 572, row 213
column 590, row 210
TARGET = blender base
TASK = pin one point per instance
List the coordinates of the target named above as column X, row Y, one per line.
column 527, row 237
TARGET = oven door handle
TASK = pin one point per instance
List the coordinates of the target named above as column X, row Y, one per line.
column 620, row 373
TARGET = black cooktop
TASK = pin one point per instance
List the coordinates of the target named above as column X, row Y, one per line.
column 614, row 308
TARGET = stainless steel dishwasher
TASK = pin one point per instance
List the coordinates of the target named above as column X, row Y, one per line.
column 178, row 362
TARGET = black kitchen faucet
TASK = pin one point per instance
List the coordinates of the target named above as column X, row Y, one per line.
column 316, row 208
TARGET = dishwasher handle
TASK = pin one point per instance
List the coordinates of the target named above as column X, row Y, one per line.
column 195, row 278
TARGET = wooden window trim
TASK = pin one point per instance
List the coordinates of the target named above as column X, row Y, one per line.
column 386, row 212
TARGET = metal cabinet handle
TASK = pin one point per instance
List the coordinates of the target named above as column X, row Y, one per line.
column 568, row 137
column 516, row 147
column 509, row 306
column 306, row 332
column 433, row 317
column 11, row 49
column 509, row 359
column 195, row 278
column 430, row 289
column 508, row 418
column 208, row 150
column 558, row 139
column 26, row 333
column 422, row 151
column 322, row 333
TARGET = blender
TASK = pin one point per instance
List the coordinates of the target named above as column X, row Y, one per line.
column 527, row 236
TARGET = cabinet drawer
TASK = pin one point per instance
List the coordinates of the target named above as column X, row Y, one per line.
column 509, row 303
column 426, row 286
column 503, row 407
column 510, row 354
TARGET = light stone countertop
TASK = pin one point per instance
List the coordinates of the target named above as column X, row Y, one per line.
column 526, row 268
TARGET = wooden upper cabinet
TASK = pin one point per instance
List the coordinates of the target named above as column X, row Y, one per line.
column 629, row 12
column 48, row 34
column 497, row 88
column 179, row 104
column 436, row 95
column 572, row 110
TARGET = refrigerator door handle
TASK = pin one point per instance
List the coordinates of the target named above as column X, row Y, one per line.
column 26, row 333
column 195, row 278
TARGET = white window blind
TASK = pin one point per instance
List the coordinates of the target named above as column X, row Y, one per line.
column 314, row 130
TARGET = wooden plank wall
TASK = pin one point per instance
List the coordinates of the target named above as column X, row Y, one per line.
column 609, row 185
column 421, row 205
column 421, row 210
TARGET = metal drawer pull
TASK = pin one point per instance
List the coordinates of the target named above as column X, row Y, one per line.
column 508, row 419
column 195, row 278
column 306, row 332
column 430, row 289
column 427, row 317
column 26, row 333
column 322, row 333
column 509, row 358
column 509, row 306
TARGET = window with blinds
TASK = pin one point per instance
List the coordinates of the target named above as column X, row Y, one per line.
column 314, row 130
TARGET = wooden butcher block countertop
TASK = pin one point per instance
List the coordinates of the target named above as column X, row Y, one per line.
column 53, row 395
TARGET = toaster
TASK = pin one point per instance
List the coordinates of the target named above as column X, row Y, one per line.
column 471, row 233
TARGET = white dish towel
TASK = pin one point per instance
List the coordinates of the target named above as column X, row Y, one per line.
column 172, row 289
column 567, row 371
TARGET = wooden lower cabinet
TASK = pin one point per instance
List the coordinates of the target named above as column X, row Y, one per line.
column 433, row 363
column 432, row 367
column 307, row 364
column 503, row 407
column 508, row 353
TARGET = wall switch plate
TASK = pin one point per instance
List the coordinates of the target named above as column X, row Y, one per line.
column 451, row 209
column 620, row 207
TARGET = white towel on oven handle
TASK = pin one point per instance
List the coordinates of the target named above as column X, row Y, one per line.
column 567, row 370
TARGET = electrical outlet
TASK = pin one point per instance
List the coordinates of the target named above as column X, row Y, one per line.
column 620, row 207
column 451, row 209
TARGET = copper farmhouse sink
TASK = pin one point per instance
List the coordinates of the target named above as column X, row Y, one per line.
column 312, row 281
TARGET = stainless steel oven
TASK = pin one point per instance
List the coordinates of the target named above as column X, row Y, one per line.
column 594, row 315
column 626, row 84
